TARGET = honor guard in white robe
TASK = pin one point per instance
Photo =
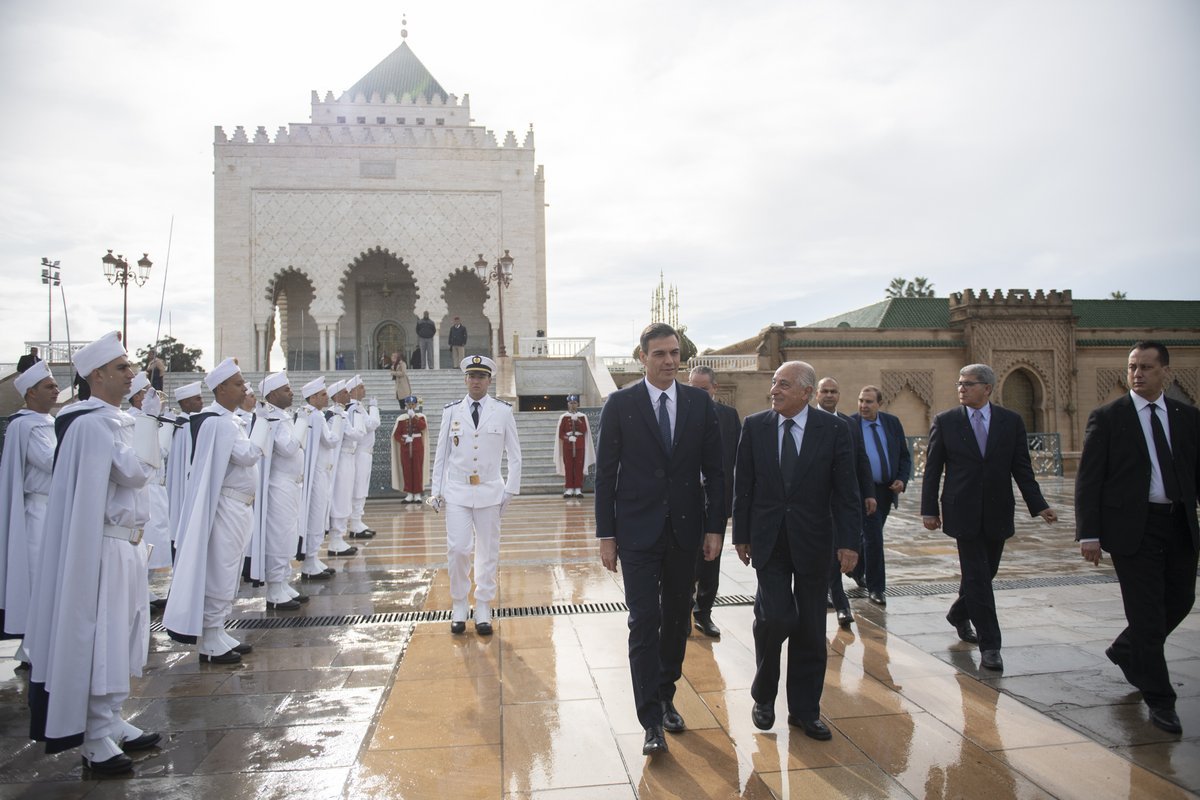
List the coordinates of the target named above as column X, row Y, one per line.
column 476, row 433
column 29, row 443
column 89, row 619
column 157, row 534
column 179, row 458
column 277, row 522
column 320, row 457
column 342, row 497
column 364, row 458
column 218, row 514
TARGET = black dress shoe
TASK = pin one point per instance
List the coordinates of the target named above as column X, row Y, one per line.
column 704, row 624
column 844, row 617
column 1114, row 658
column 117, row 765
column 655, row 742
column 363, row 534
column 349, row 551
column 301, row 598
column 228, row 657
column 458, row 627
column 1165, row 719
column 878, row 598
column 862, row 584
column 23, row 666
column 143, row 742
column 243, row 648
column 990, row 659
column 813, row 728
column 965, row 631
column 483, row 628
column 287, row 605
column 320, row 576
column 763, row 716
column 158, row 604
column 672, row 719
column 330, row 571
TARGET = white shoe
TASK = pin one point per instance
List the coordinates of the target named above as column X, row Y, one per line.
column 579, row 492
column 569, row 493
column 416, row 497
column 408, row 498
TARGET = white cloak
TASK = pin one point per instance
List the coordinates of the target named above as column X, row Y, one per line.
column 589, row 451
column 25, row 467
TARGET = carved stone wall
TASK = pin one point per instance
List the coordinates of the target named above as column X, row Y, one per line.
column 920, row 381
column 1106, row 379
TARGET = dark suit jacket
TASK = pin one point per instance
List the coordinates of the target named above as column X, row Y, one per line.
column 638, row 486
column 26, row 361
column 866, row 484
column 977, row 499
column 731, row 427
column 1113, row 483
column 821, row 509
column 899, row 460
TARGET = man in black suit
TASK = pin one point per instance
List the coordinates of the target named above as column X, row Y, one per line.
column 708, row 573
column 1135, row 496
column 828, row 395
column 795, row 498
column 982, row 448
column 28, row 360
column 887, row 452
column 658, row 439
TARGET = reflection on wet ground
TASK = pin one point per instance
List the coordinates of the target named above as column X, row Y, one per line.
column 544, row 708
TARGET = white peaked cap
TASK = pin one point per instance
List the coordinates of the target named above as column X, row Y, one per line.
column 315, row 386
column 31, row 377
column 98, row 353
column 477, row 364
column 336, row 387
column 272, row 382
column 354, row 382
column 188, row 390
column 140, row 381
column 221, row 373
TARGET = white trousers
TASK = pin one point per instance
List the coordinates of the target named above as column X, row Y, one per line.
column 479, row 529
column 318, row 512
column 230, row 533
column 104, row 720
column 341, row 496
column 362, row 484
column 283, row 529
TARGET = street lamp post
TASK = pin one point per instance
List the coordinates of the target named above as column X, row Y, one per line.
column 501, row 274
column 51, row 276
column 117, row 270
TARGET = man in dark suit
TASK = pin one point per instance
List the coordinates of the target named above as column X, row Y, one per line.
column 1135, row 496
column 795, row 498
column 708, row 573
column 828, row 395
column 982, row 448
column 28, row 360
column 658, row 439
column 887, row 452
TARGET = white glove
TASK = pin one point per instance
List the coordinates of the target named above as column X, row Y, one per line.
column 373, row 403
column 151, row 404
column 373, row 412
column 435, row 502
column 145, row 440
column 508, row 496
column 408, row 439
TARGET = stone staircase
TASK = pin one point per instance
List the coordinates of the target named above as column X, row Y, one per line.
column 435, row 388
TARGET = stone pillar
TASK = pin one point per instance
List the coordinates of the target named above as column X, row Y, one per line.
column 324, row 340
column 260, row 357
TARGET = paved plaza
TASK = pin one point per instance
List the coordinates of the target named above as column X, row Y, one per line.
column 366, row 694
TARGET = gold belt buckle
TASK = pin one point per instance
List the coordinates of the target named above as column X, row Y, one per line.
column 474, row 480
column 136, row 537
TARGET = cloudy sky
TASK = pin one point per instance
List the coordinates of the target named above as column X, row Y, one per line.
column 778, row 160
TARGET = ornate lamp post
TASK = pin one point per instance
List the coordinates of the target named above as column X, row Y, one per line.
column 501, row 274
column 117, row 270
column 51, row 277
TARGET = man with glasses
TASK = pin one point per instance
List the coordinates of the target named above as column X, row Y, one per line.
column 979, row 446
column 891, row 465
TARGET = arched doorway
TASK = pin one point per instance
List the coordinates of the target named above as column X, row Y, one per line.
column 465, row 295
column 291, row 294
column 389, row 338
column 1021, row 393
column 377, row 291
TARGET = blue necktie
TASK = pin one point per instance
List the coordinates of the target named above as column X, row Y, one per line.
column 664, row 422
column 884, row 469
column 980, row 431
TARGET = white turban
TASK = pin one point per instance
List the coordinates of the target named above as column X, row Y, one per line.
column 272, row 382
column 188, row 390
column 315, row 386
column 140, row 381
column 221, row 373
column 98, row 353
column 31, row 377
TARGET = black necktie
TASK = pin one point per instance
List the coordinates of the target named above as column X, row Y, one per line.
column 788, row 456
column 884, row 469
column 475, row 413
column 664, row 422
column 1165, row 464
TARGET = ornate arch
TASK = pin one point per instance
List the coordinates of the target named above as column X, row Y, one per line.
column 1106, row 379
column 1007, row 363
column 360, row 261
column 271, row 293
column 920, row 381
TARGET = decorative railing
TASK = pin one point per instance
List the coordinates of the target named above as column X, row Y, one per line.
column 621, row 364
column 1045, row 453
column 57, row 352
column 719, row 364
column 556, row 347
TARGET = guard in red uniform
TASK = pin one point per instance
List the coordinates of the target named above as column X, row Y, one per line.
column 574, row 452
column 408, row 452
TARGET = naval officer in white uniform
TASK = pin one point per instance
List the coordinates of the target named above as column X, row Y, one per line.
column 475, row 433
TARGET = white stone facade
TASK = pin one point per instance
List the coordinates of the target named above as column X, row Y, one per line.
column 352, row 226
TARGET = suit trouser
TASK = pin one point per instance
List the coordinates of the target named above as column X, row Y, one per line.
column 978, row 560
column 480, row 527
column 708, row 578
column 1158, row 588
column 658, row 591
column 871, row 567
column 426, row 346
column 790, row 606
column 837, row 592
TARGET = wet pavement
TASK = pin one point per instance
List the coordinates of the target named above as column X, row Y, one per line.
column 395, row 707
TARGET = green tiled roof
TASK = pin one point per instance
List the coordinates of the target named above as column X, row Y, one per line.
column 401, row 72
column 1152, row 314
column 901, row 343
column 1130, row 342
column 896, row 312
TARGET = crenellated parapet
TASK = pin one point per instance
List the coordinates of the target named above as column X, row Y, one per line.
column 472, row 138
column 967, row 305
